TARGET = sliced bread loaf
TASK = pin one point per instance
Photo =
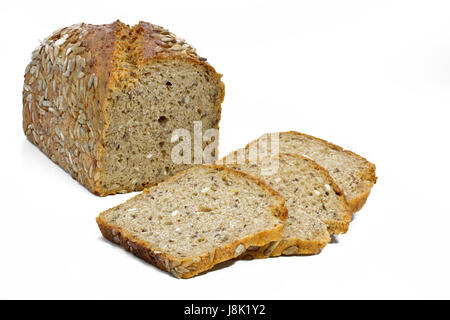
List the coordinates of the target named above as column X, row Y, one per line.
column 314, row 202
column 354, row 174
column 196, row 219
column 102, row 102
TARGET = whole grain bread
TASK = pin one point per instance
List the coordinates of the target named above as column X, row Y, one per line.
column 316, row 205
column 352, row 173
column 102, row 102
column 196, row 219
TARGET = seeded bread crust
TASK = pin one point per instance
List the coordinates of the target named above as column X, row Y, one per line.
column 69, row 79
column 201, row 263
column 285, row 247
column 357, row 202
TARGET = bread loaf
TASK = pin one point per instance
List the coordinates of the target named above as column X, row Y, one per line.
column 196, row 219
column 102, row 102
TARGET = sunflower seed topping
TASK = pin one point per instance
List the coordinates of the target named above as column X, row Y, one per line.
column 91, row 81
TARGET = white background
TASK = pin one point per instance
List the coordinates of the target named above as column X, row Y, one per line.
column 371, row 76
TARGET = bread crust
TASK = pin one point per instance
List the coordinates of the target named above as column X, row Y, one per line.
column 276, row 248
column 55, row 117
column 358, row 202
column 69, row 80
column 188, row 267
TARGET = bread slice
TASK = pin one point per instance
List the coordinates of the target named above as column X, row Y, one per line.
column 353, row 174
column 196, row 219
column 316, row 205
column 102, row 101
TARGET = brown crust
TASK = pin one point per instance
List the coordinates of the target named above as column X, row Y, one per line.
column 61, row 111
column 305, row 247
column 203, row 262
column 358, row 202
column 369, row 175
column 66, row 115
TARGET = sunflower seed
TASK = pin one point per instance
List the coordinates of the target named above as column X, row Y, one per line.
column 61, row 40
column 271, row 247
column 91, row 170
column 239, row 250
column 71, row 65
column 35, row 136
column 290, row 251
column 81, row 63
column 52, row 110
column 176, row 47
column 91, row 81
column 33, row 69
